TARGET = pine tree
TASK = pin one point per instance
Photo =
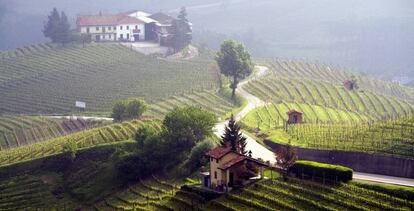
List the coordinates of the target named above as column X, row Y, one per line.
column 51, row 27
column 181, row 30
column 64, row 29
column 233, row 137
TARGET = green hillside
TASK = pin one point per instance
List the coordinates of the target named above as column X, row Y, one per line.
column 51, row 80
column 17, row 131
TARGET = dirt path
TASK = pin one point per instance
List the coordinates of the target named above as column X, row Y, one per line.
column 258, row 150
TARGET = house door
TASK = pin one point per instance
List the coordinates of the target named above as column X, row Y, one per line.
column 98, row 38
column 231, row 179
column 136, row 37
column 295, row 119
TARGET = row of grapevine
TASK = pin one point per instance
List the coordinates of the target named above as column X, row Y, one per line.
column 389, row 137
column 17, row 131
column 27, row 50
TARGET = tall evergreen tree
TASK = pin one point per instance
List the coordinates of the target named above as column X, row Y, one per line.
column 181, row 30
column 64, row 29
column 51, row 27
column 233, row 137
column 57, row 27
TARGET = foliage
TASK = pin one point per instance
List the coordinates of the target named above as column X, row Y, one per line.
column 57, row 27
column 128, row 109
column 233, row 137
column 397, row 191
column 70, row 148
column 286, row 157
column 197, row 157
column 234, row 61
column 144, row 134
column 187, row 126
column 321, row 170
column 181, row 31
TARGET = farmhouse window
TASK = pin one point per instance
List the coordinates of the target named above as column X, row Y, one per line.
column 122, row 36
column 87, row 30
column 127, row 36
column 215, row 175
column 217, row 160
column 110, row 37
column 114, row 27
column 120, row 27
column 97, row 28
column 136, row 26
column 109, row 28
column 127, row 27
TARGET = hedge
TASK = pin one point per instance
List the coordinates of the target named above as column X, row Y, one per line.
column 394, row 190
column 321, row 170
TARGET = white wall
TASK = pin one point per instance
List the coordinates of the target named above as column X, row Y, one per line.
column 124, row 31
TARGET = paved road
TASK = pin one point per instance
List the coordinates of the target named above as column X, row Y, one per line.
column 259, row 151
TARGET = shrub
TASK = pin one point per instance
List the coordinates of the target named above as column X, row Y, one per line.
column 394, row 190
column 323, row 170
column 128, row 109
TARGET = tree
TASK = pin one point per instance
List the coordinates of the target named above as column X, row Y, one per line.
column 64, row 35
column 187, row 126
column 143, row 134
column 233, row 137
column 57, row 27
column 234, row 61
column 285, row 156
column 181, row 31
column 51, row 27
column 354, row 82
column 118, row 111
column 134, row 108
column 128, row 109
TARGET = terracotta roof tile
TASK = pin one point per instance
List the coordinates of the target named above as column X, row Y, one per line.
column 294, row 111
column 99, row 20
column 219, row 152
column 233, row 162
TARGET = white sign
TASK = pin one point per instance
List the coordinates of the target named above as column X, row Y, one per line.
column 80, row 104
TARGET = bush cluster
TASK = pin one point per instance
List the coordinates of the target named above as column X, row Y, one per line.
column 321, row 170
column 128, row 109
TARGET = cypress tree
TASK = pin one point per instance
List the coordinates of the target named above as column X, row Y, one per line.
column 233, row 137
column 181, row 30
column 51, row 27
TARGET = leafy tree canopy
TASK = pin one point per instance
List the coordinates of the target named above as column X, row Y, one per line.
column 234, row 61
column 128, row 109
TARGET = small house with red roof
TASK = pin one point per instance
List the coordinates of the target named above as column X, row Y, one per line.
column 295, row 117
column 349, row 84
column 229, row 169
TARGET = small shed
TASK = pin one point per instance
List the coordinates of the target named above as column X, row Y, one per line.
column 295, row 117
column 349, row 85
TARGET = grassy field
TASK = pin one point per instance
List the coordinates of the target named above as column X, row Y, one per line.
column 51, row 80
column 84, row 139
column 17, row 131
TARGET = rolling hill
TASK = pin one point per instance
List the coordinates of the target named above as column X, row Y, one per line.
column 48, row 79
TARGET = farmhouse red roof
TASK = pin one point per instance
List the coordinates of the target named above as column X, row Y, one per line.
column 233, row 162
column 219, row 152
column 294, row 111
column 99, row 20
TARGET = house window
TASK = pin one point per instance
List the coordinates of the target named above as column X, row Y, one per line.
column 215, row 175
column 114, row 27
column 87, row 30
column 120, row 27
column 110, row 36
column 127, row 27
column 136, row 26
column 127, row 36
column 216, row 160
column 121, row 36
column 97, row 28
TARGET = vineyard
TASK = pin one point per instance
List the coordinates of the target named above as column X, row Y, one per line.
column 275, row 89
column 51, row 80
column 336, row 75
column 87, row 138
column 394, row 137
column 273, row 194
column 211, row 101
column 23, row 130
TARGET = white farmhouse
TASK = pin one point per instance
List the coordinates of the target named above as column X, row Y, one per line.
column 131, row 26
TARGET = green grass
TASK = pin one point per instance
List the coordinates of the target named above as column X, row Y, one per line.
column 99, row 74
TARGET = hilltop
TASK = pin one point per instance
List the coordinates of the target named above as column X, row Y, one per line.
column 46, row 79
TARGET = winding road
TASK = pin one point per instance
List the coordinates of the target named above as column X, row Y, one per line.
column 259, row 151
